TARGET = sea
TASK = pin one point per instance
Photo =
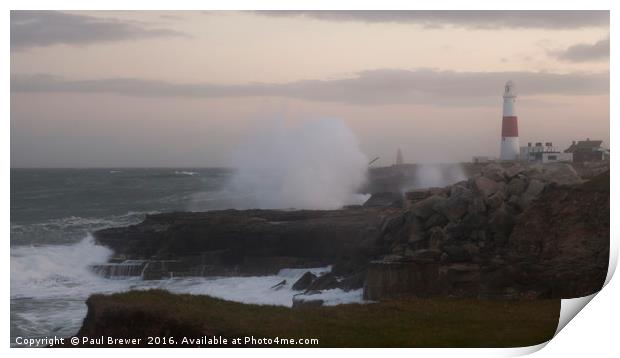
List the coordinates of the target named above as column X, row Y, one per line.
column 54, row 213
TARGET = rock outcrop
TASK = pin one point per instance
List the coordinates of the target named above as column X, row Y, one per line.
column 248, row 242
column 505, row 233
column 509, row 231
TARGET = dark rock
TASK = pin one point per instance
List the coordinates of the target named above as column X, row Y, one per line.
column 386, row 199
column 436, row 237
column 502, row 221
column 495, row 201
column 452, row 208
column 304, row 281
column 516, row 186
column 477, row 206
column 250, row 242
column 426, row 255
column 424, row 208
column 534, row 189
column 324, row 282
column 279, row 285
column 457, row 253
column 460, row 190
column 436, row 219
column 353, row 282
column 389, row 280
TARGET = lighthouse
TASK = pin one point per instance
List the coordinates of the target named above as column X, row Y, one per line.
column 510, row 130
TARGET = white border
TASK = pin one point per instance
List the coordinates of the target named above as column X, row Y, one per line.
column 595, row 328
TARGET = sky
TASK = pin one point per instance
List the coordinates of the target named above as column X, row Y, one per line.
column 187, row 88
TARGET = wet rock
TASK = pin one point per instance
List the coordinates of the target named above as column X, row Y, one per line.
column 278, row 286
column 385, row 199
column 486, row 186
column 324, row 282
column 304, row 281
column 353, row 282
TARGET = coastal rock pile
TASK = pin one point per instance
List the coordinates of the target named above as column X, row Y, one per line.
column 455, row 240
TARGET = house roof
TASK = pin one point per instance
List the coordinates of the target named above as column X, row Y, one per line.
column 584, row 146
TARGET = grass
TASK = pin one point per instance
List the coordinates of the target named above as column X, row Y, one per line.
column 438, row 322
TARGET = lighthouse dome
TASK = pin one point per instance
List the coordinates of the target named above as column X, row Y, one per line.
column 510, row 90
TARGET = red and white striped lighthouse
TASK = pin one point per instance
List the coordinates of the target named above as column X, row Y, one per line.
column 510, row 129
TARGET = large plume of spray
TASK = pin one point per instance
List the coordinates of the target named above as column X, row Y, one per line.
column 309, row 164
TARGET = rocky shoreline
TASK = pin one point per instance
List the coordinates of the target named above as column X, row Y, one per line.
column 504, row 233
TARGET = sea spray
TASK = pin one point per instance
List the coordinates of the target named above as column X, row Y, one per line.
column 311, row 164
column 437, row 175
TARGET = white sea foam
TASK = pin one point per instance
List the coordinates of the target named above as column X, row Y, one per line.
column 49, row 285
column 181, row 172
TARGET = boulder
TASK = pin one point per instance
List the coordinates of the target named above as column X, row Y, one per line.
column 452, row 208
column 324, row 282
column 516, row 186
column 304, row 281
column 494, row 172
column 437, row 236
column 477, row 206
column 279, row 285
column 353, row 282
column 502, row 221
column 385, row 199
column 436, row 219
column 461, row 190
column 424, row 208
column 561, row 173
column 533, row 191
column 495, row 201
column 514, row 170
column 486, row 186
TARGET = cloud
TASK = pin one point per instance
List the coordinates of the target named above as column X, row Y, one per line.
column 47, row 28
column 376, row 87
column 585, row 52
column 489, row 19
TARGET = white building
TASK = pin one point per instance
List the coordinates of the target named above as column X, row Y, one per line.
column 543, row 153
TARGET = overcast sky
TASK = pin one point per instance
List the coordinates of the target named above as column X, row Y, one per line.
column 152, row 88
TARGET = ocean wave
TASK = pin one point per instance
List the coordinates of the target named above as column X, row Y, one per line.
column 181, row 172
column 71, row 228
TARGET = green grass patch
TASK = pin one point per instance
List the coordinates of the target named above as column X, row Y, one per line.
column 437, row 322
